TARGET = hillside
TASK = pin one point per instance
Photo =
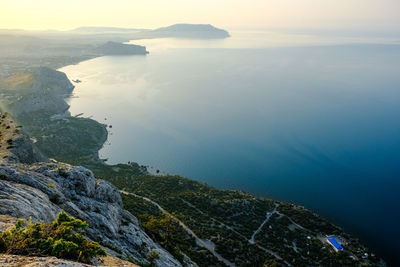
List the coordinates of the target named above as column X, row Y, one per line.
column 21, row 53
column 38, row 191
column 41, row 108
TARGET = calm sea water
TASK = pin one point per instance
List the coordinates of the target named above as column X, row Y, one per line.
column 314, row 121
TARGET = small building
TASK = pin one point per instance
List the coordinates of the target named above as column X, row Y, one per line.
column 334, row 243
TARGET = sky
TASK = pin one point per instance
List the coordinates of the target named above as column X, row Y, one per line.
column 230, row 14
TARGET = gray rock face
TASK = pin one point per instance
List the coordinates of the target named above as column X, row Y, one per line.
column 25, row 151
column 41, row 190
column 25, row 261
column 18, row 147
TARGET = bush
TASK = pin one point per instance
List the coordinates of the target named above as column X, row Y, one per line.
column 152, row 257
column 52, row 186
column 62, row 238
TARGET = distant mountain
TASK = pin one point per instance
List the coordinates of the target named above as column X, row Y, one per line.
column 201, row 31
column 198, row 31
column 105, row 30
column 96, row 35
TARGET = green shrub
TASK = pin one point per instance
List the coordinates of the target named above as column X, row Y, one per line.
column 152, row 257
column 52, row 186
column 62, row 238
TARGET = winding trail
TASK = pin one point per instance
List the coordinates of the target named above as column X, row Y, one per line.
column 267, row 216
column 252, row 241
column 204, row 243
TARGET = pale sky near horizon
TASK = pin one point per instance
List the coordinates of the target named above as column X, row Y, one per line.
column 68, row 14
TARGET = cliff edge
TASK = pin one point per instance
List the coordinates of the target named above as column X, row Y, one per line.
column 40, row 190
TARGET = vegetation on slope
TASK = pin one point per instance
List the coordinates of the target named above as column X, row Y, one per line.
column 169, row 233
column 19, row 82
column 62, row 238
column 291, row 236
column 68, row 139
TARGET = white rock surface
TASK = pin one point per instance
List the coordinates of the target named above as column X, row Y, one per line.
column 41, row 190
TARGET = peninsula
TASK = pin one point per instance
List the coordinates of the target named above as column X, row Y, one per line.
column 114, row 48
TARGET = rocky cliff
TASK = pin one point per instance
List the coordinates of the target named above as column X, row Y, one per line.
column 40, row 190
column 15, row 145
column 45, row 92
column 50, row 78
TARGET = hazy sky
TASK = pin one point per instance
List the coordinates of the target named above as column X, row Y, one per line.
column 67, row 14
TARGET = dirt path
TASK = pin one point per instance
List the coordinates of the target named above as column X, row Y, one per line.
column 267, row 216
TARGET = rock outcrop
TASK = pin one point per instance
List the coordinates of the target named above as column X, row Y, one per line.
column 24, row 151
column 15, row 145
column 23, row 261
column 50, row 78
column 38, row 191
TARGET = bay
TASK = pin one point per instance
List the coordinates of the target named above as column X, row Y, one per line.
column 310, row 120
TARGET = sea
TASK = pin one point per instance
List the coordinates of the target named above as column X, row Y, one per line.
column 309, row 118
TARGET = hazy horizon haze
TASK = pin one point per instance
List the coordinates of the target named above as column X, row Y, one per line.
column 329, row 14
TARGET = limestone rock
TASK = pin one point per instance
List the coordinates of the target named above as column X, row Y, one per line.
column 24, row 261
column 39, row 191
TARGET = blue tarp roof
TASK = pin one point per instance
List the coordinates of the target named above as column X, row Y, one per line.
column 333, row 241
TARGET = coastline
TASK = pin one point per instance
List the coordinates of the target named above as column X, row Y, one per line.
column 120, row 170
column 153, row 171
column 149, row 170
